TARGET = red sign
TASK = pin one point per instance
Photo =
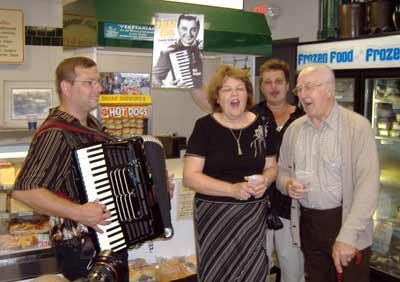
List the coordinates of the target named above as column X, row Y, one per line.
column 261, row 9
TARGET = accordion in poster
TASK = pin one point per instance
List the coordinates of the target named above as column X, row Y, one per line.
column 177, row 57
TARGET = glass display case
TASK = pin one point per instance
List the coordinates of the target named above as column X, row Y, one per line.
column 386, row 123
column 344, row 92
column 25, row 249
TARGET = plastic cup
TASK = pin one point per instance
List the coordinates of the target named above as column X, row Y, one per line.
column 32, row 122
column 306, row 178
column 255, row 178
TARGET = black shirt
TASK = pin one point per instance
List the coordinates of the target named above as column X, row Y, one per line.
column 279, row 203
column 216, row 144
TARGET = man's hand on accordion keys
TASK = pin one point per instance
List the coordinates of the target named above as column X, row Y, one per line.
column 93, row 214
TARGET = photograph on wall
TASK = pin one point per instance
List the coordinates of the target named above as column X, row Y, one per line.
column 124, row 103
column 125, row 83
column 32, row 101
column 177, row 51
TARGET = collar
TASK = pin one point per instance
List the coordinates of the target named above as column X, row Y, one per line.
column 68, row 118
column 331, row 121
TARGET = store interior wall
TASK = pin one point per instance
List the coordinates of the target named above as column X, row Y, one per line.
column 294, row 18
column 174, row 110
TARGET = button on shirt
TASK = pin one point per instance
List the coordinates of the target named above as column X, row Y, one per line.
column 317, row 154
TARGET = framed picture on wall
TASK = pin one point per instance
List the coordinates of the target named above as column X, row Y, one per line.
column 26, row 99
column 27, row 102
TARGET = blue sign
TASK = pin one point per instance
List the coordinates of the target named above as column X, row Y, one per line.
column 129, row 31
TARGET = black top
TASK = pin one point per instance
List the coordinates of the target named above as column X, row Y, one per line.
column 216, row 144
column 280, row 203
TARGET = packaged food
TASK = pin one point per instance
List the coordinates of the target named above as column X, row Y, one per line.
column 384, row 125
column 383, row 132
column 23, row 241
column 7, row 174
column 29, row 224
column 140, row 271
column 394, row 133
column 396, row 126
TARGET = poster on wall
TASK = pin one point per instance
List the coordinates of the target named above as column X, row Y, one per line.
column 177, row 51
column 124, row 103
column 12, row 36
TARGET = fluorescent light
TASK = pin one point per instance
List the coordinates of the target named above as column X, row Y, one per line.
column 233, row 4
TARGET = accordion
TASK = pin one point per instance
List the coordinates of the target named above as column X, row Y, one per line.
column 182, row 67
column 129, row 177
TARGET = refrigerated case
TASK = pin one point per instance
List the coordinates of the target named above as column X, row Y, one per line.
column 368, row 82
column 385, row 117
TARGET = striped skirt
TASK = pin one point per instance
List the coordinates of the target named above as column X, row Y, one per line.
column 231, row 241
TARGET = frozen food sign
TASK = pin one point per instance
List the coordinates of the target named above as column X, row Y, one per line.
column 380, row 52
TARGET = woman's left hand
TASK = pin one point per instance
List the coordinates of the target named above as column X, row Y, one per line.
column 259, row 184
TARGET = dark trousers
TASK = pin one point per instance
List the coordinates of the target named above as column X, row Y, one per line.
column 75, row 259
column 318, row 232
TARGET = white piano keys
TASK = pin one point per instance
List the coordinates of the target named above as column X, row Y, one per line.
column 181, row 66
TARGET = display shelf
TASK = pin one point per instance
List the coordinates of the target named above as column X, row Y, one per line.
column 6, row 188
column 26, row 264
column 387, row 101
column 384, row 138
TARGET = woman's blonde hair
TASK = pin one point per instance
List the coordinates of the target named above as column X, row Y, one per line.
column 217, row 81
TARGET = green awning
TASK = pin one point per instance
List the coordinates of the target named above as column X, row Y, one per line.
column 226, row 30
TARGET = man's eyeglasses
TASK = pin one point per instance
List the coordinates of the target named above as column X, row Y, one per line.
column 278, row 82
column 89, row 82
column 307, row 87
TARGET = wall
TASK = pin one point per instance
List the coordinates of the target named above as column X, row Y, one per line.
column 296, row 18
column 39, row 61
column 174, row 110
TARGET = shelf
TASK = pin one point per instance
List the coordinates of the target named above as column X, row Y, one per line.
column 6, row 188
column 386, row 101
column 10, row 254
column 389, row 139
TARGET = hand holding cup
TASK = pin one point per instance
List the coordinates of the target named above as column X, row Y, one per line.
column 300, row 185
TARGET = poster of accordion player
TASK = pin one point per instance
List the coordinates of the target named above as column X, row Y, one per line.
column 177, row 57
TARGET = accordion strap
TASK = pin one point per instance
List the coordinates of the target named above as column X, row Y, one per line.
column 57, row 123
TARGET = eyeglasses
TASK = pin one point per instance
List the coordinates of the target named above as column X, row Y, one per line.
column 226, row 90
column 278, row 82
column 89, row 82
column 307, row 87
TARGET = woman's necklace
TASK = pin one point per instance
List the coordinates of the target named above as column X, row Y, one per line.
column 237, row 139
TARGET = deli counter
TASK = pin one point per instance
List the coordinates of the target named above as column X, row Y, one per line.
column 25, row 249
column 25, row 252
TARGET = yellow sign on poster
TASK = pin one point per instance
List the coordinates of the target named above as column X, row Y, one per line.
column 12, row 36
column 123, row 99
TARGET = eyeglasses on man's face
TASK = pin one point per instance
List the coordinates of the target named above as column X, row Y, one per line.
column 88, row 82
column 306, row 87
column 277, row 82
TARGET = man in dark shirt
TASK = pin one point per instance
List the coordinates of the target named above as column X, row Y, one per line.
column 188, row 30
column 274, row 85
column 48, row 179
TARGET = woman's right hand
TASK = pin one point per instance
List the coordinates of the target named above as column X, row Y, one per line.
column 242, row 191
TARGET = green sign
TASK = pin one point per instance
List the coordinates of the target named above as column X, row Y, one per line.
column 129, row 31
